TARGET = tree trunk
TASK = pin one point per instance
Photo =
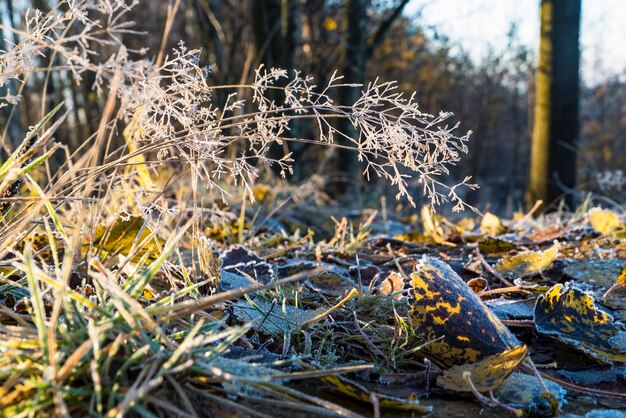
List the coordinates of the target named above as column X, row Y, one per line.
column 292, row 46
column 556, row 124
column 354, row 64
column 267, row 26
column 357, row 53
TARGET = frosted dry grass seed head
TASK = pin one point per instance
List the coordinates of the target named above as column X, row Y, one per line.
column 396, row 141
column 172, row 106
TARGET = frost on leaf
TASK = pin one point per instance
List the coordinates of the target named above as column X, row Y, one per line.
column 457, row 325
column 273, row 318
column 484, row 375
column 597, row 273
column 572, row 316
column 243, row 262
column 523, row 390
column 527, row 263
column 332, row 283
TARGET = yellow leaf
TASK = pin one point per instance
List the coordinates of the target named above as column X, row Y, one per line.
column 137, row 164
column 124, row 235
column 432, row 226
column 466, row 224
column 332, row 283
column 486, row 374
column 604, row 221
column 621, row 279
column 492, row 225
column 527, row 263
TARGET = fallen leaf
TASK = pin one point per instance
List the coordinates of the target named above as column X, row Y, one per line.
column 445, row 312
column 126, row 234
column 332, row 282
column 485, row 375
column 615, row 296
column 273, row 318
column 492, row 225
column 525, row 391
column 242, row 261
column 603, row 220
column 432, row 226
column 392, row 283
column 478, row 284
column 595, row 272
column 491, row 245
column 595, row 376
column 260, row 192
column 527, row 263
column 571, row 315
column 512, row 310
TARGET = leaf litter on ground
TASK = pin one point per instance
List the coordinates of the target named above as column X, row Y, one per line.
column 356, row 308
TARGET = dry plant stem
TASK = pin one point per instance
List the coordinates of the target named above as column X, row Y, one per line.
column 324, row 314
column 467, row 377
column 312, row 374
column 285, row 391
column 287, row 404
column 487, row 293
column 366, row 338
column 237, row 406
column 191, row 412
column 587, row 391
column 491, row 401
column 514, row 411
column 397, row 263
column 171, row 13
column 190, row 306
column 375, row 404
column 514, row 323
column 536, row 372
column 491, row 270
column 526, row 217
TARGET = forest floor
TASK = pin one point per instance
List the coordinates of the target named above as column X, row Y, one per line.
column 318, row 311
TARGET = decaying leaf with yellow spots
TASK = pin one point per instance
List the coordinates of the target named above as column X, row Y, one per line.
column 527, row 263
column 484, row 375
column 41, row 246
column 457, row 325
column 571, row 315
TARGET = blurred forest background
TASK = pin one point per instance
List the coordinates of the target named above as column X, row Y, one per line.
column 362, row 39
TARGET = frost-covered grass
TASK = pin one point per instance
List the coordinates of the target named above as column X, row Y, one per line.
column 81, row 330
